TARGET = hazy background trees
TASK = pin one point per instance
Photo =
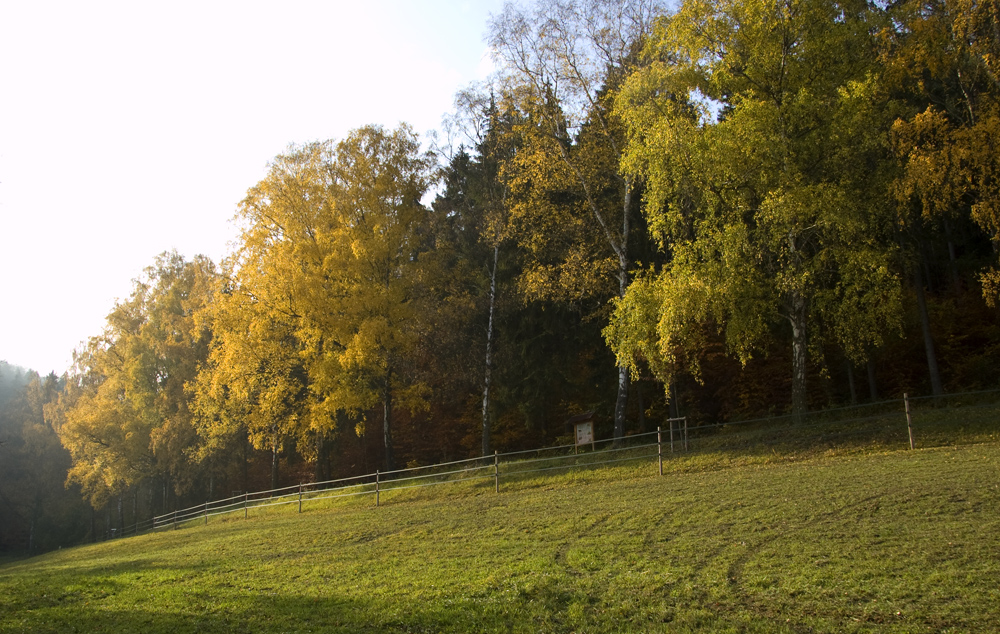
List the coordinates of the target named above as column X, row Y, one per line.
column 37, row 512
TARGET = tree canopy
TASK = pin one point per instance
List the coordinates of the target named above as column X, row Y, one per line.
column 754, row 131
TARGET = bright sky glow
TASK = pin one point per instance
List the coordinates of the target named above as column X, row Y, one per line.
column 132, row 128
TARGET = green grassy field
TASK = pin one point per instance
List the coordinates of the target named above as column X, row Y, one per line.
column 894, row 541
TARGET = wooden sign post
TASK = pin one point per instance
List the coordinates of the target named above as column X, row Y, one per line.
column 583, row 430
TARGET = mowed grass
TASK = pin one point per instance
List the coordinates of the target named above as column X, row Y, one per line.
column 893, row 541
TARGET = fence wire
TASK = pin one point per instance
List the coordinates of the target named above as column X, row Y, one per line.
column 880, row 422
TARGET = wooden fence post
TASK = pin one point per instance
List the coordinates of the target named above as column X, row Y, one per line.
column 206, row 512
column 376, row 488
column 496, row 471
column 685, row 433
column 300, row 497
column 175, row 519
column 246, row 499
column 671, row 435
column 659, row 450
column 909, row 421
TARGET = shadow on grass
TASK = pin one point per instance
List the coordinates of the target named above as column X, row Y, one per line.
column 97, row 610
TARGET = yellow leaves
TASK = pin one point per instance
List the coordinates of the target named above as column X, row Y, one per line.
column 982, row 143
column 933, row 163
column 685, row 299
column 553, row 192
column 362, row 350
column 947, row 56
column 358, row 249
column 991, row 285
column 948, row 167
column 319, row 306
column 125, row 413
column 658, row 322
column 576, row 277
column 415, row 397
column 866, row 302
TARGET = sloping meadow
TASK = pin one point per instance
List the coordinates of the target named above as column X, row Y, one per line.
column 900, row 541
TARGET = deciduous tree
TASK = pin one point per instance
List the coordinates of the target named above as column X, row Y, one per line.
column 761, row 133
column 124, row 412
column 321, row 311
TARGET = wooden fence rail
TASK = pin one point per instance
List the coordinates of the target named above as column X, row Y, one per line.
column 827, row 425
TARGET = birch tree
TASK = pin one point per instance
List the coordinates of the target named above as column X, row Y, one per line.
column 562, row 61
column 762, row 133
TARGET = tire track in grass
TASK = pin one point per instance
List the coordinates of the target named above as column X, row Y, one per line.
column 681, row 552
column 654, row 541
column 735, row 573
column 560, row 557
column 375, row 532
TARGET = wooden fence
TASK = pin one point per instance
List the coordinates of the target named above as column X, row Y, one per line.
column 890, row 423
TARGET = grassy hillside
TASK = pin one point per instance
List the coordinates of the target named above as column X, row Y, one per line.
column 898, row 541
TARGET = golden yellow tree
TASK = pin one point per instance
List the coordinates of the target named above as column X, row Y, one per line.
column 379, row 178
column 124, row 413
column 319, row 313
column 255, row 383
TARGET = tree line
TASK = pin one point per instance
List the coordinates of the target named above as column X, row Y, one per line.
column 728, row 209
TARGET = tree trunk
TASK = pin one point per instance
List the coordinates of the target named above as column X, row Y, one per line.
column 925, row 326
column 850, row 383
column 797, row 318
column 246, row 464
column 623, row 280
column 872, row 385
column 274, row 463
column 621, row 403
column 675, row 404
column 487, row 444
column 642, row 408
column 121, row 513
column 956, row 282
column 318, row 470
column 390, row 460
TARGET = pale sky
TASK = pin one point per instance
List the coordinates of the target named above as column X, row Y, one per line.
column 132, row 128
